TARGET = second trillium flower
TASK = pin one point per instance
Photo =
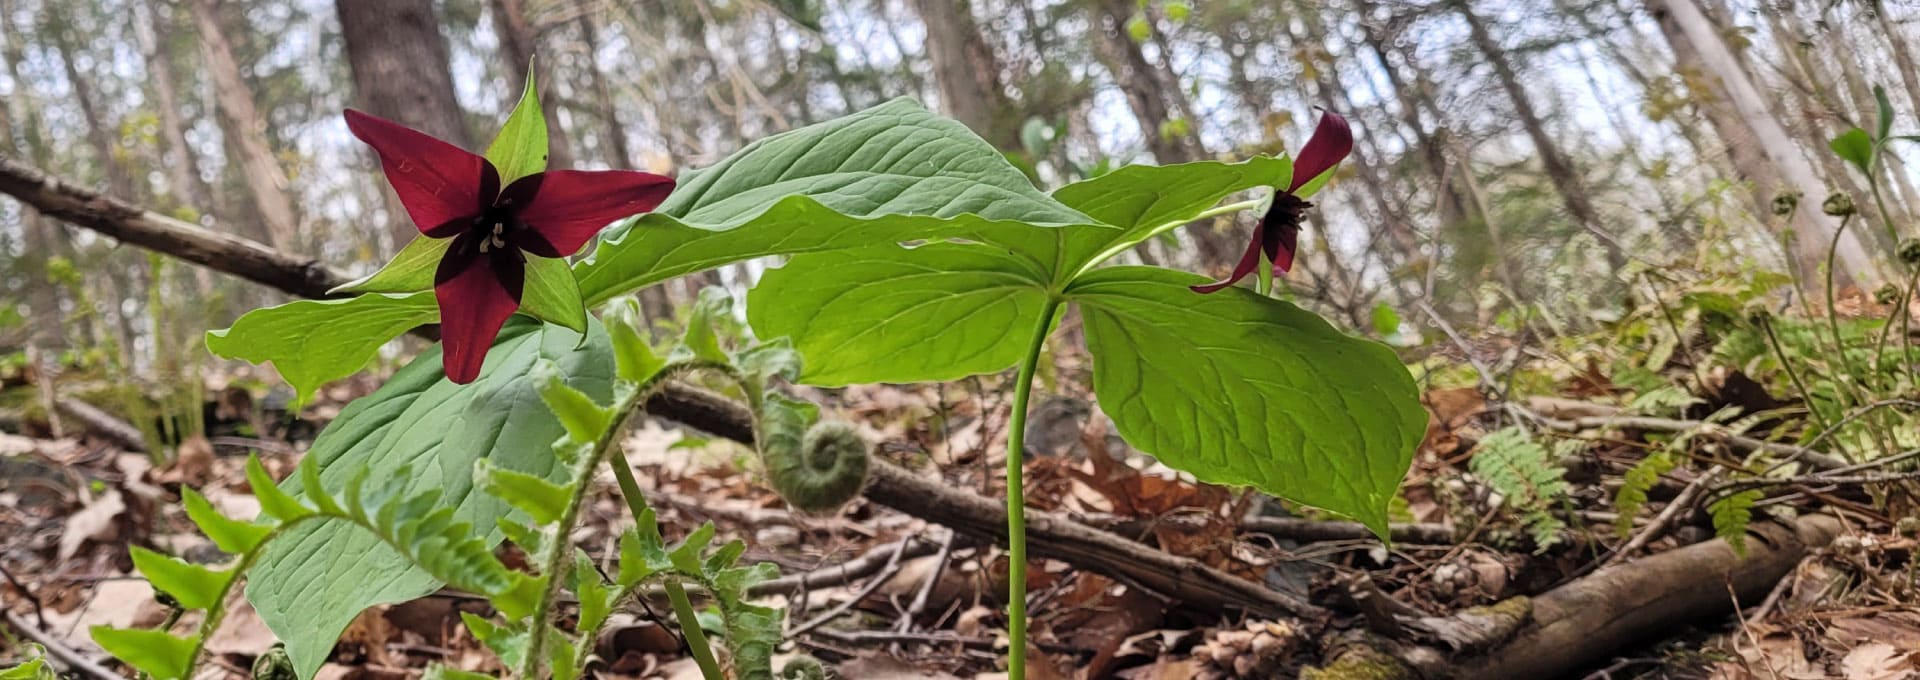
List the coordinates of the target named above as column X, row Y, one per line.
column 1278, row 234
column 495, row 227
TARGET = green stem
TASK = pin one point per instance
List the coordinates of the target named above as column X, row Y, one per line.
column 1016, row 497
column 682, row 606
column 1786, row 364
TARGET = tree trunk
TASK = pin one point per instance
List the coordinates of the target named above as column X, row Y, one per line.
column 966, row 72
column 189, row 189
column 1135, row 76
column 39, row 237
column 617, row 153
column 246, row 129
column 400, row 73
column 520, row 43
column 1566, row 179
column 1749, row 127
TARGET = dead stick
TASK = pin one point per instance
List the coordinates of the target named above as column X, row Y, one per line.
column 67, row 656
column 102, row 423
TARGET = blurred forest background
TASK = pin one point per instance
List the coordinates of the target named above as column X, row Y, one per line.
column 1551, row 156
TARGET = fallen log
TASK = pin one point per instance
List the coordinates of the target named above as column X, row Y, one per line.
column 102, row 423
column 1052, row 535
column 1586, row 620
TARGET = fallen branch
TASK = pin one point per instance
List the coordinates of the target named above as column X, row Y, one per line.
column 126, row 222
column 60, row 652
column 1584, row 621
column 102, row 423
column 1052, row 535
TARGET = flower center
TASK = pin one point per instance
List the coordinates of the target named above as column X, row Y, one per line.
column 495, row 228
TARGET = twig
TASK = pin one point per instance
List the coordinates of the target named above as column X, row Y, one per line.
column 1714, row 430
column 1681, row 503
column 39, row 616
column 887, row 572
column 67, row 656
column 926, row 587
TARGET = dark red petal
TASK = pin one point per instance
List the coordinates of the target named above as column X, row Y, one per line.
column 1332, row 140
column 570, row 206
column 477, row 294
column 1248, row 262
column 436, row 181
column 1282, row 241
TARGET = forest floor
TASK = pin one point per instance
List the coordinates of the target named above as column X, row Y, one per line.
column 890, row 595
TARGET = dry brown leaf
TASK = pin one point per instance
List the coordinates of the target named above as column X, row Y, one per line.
column 1878, row 661
column 94, row 522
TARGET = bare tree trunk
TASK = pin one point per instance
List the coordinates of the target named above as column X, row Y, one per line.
column 1748, row 125
column 618, row 155
column 400, row 72
column 38, row 237
column 246, row 129
column 520, row 42
column 1452, row 205
column 1136, row 78
column 189, row 188
column 966, row 72
column 1566, row 179
column 1902, row 53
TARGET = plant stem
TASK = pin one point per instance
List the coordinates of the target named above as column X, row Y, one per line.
column 682, row 606
column 1786, row 364
column 1016, row 497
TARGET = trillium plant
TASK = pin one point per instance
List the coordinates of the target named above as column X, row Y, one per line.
column 908, row 250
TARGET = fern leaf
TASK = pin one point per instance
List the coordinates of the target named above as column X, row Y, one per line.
column 1731, row 515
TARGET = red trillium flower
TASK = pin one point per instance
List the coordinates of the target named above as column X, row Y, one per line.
column 1278, row 234
column 453, row 194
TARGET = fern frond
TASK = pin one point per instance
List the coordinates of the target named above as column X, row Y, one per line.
column 1731, row 515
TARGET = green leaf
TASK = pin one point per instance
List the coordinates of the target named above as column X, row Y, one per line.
column 936, row 312
column 410, row 271
column 642, row 552
column 1143, row 199
column 1139, row 29
column 274, row 502
column 305, row 590
column 635, row 359
column 887, row 174
column 440, row 672
column 313, row 342
column 686, row 556
column 1854, row 146
column 230, row 535
column 154, row 652
column 1386, row 321
column 596, row 599
column 542, row 500
column 507, row 642
column 1731, row 514
column 702, row 339
column 1236, row 388
column 552, row 295
column 521, row 147
column 33, row 668
column 1884, row 114
column 194, row 586
column 584, row 420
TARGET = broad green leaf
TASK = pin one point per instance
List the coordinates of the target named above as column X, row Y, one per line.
column 940, row 311
column 891, row 173
column 307, row 588
column 1236, row 388
column 232, row 536
column 1143, row 199
column 521, row 147
column 313, row 342
column 552, row 295
column 194, row 586
column 410, row 271
column 1854, row 146
column 542, row 500
column 154, row 652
